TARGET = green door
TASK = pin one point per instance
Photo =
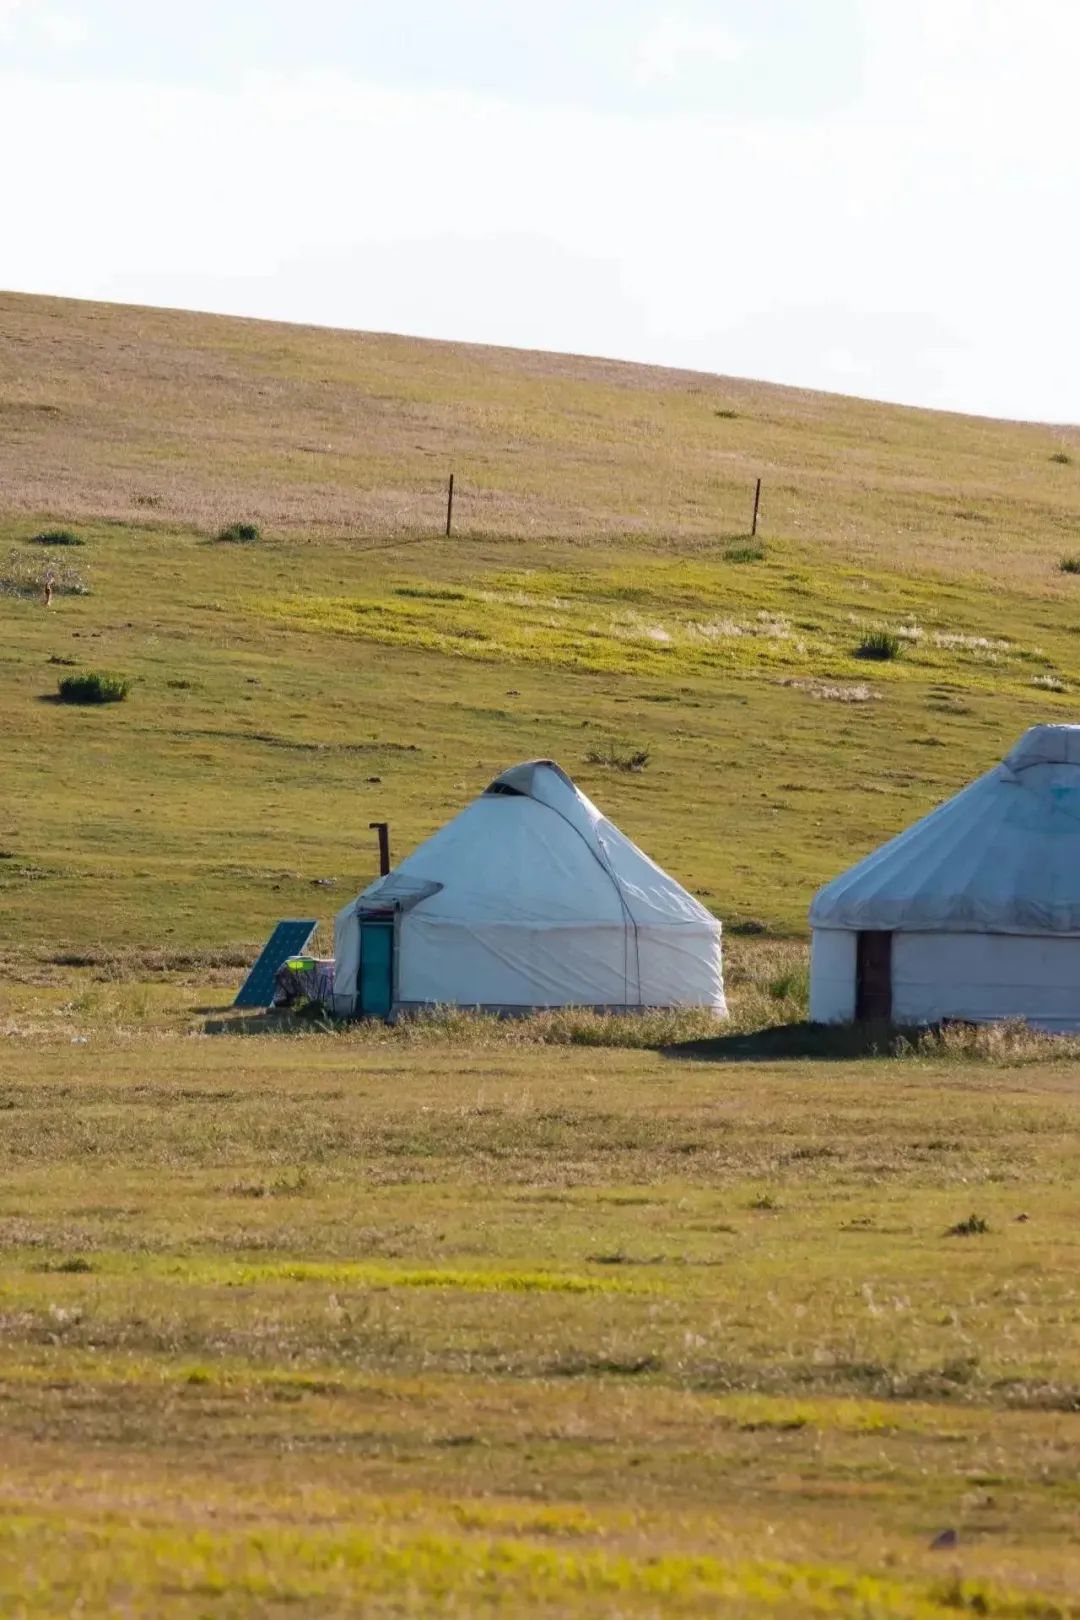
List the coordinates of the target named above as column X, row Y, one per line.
column 376, row 969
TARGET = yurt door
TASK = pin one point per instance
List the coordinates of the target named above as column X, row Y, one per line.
column 375, row 979
column 873, row 977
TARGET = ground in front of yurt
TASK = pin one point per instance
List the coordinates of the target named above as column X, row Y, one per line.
column 471, row 1324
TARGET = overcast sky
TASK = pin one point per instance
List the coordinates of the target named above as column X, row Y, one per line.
column 878, row 197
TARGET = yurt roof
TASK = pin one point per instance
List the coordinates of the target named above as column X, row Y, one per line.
column 1003, row 856
column 533, row 850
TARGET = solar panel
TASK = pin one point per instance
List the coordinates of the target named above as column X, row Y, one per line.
column 288, row 939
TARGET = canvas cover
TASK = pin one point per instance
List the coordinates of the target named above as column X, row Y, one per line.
column 1001, row 857
column 976, row 977
column 531, row 898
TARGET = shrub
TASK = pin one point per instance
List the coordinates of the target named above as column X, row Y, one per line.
column 618, row 757
column 880, row 645
column 94, row 686
column 745, row 554
column 240, row 533
column 974, row 1226
column 1070, row 565
column 1062, row 458
column 58, row 537
column 727, row 414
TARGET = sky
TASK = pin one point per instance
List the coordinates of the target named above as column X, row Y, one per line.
column 875, row 197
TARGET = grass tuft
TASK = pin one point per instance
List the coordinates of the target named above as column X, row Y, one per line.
column 649, row 1029
column 974, row 1226
column 94, row 686
column 1069, row 565
column 1007, row 1042
column 618, row 756
column 750, row 553
column 792, row 984
column 240, row 533
column 430, row 593
column 879, row 646
column 58, row 537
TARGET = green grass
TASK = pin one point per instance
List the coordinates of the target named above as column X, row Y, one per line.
column 93, row 686
column 880, row 646
column 270, row 718
column 430, row 1571
column 627, row 1329
column 240, row 533
column 571, row 1315
column 340, row 673
column 58, row 537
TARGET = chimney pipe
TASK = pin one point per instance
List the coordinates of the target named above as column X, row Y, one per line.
column 383, row 830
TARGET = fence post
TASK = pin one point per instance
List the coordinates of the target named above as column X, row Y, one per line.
column 450, row 506
column 757, row 503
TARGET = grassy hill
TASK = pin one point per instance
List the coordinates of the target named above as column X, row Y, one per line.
column 440, row 1320
column 598, row 597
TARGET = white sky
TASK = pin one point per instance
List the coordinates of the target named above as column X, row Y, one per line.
column 874, row 196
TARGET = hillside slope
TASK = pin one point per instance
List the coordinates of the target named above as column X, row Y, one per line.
column 109, row 411
column 597, row 598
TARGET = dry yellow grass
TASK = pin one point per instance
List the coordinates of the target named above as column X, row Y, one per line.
column 446, row 1330
column 180, row 418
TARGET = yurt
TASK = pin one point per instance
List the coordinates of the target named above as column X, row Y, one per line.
column 529, row 898
column 973, row 913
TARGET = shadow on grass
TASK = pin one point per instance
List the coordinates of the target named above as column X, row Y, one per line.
column 832, row 1043
column 826, row 1043
column 266, row 1021
column 91, row 706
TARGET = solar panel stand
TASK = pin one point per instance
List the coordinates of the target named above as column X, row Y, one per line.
column 290, row 937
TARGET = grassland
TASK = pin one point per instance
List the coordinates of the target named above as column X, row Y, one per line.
column 353, row 666
column 468, row 1319
column 484, row 1328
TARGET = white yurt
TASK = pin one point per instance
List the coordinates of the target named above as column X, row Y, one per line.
column 529, row 898
column 973, row 913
